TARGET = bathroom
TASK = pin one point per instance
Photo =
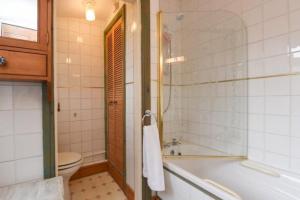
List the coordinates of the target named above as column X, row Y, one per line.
column 82, row 82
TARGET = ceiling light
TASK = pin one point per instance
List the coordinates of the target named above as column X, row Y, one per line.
column 90, row 11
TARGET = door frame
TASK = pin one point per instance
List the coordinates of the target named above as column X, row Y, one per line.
column 146, row 75
column 48, row 102
column 121, row 14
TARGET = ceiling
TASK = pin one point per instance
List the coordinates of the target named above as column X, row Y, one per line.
column 76, row 8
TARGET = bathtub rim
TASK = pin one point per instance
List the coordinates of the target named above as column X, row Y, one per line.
column 293, row 178
column 192, row 184
column 197, row 182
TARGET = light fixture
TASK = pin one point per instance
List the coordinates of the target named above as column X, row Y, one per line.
column 133, row 27
column 90, row 11
column 175, row 60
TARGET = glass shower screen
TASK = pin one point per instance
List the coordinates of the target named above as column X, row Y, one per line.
column 203, row 84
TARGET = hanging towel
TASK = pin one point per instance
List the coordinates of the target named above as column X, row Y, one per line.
column 152, row 158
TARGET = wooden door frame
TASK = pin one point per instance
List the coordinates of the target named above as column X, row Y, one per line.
column 48, row 132
column 146, row 74
column 121, row 14
column 49, row 152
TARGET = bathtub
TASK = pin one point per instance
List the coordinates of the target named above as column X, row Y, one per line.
column 205, row 178
column 189, row 149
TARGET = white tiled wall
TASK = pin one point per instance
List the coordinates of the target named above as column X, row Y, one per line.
column 130, row 105
column 208, row 105
column 273, row 50
column 80, row 75
column 273, row 105
column 21, row 143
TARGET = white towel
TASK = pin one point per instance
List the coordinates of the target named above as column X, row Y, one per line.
column 152, row 159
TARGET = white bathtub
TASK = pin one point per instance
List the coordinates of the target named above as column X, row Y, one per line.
column 228, row 179
column 188, row 149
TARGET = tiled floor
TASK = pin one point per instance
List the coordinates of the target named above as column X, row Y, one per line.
column 99, row 186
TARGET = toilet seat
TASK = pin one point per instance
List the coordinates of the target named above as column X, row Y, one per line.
column 68, row 160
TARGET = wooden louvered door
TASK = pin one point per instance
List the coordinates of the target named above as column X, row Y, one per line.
column 115, row 102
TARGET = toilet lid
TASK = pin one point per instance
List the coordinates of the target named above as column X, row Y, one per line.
column 68, row 158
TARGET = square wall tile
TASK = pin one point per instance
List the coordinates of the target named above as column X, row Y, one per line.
column 256, row 140
column 274, row 8
column 294, row 17
column 278, row 86
column 28, row 121
column 277, row 160
column 6, row 123
column 277, row 124
column 295, row 106
column 295, row 126
column 277, row 65
column 278, row 105
column 295, row 85
column 253, row 16
column 276, row 26
column 256, row 105
column 295, row 164
column 28, row 145
column 29, row 169
column 27, row 97
column 276, row 46
column 277, row 144
column 295, row 147
column 6, row 102
column 7, row 173
column 6, row 148
column 294, row 4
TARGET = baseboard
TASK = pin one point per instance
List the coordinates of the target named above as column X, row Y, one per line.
column 116, row 176
column 121, row 182
column 129, row 192
column 90, row 170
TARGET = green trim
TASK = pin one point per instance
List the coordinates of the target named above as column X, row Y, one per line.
column 193, row 184
column 48, row 134
column 146, row 74
column 121, row 14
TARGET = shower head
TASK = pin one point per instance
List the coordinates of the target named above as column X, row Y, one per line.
column 179, row 17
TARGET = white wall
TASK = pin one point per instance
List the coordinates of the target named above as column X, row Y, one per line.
column 21, row 144
column 80, row 85
column 130, row 105
column 273, row 41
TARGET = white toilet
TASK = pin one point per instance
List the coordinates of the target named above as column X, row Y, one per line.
column 68, row 164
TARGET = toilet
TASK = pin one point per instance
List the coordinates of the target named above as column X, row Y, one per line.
column 68, row 164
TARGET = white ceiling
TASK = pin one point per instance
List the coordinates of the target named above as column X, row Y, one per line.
column 76, row 8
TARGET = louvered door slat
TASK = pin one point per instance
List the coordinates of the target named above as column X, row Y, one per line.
column 115, row 86
column 119, row 94
column 110, row 95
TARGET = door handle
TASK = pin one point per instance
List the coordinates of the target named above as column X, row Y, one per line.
column 112, row 102
column 2, row 61
column 58, row 107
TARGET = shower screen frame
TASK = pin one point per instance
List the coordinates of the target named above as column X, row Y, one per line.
column 160, row 90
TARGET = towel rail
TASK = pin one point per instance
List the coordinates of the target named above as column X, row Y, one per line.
column 147, row 113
